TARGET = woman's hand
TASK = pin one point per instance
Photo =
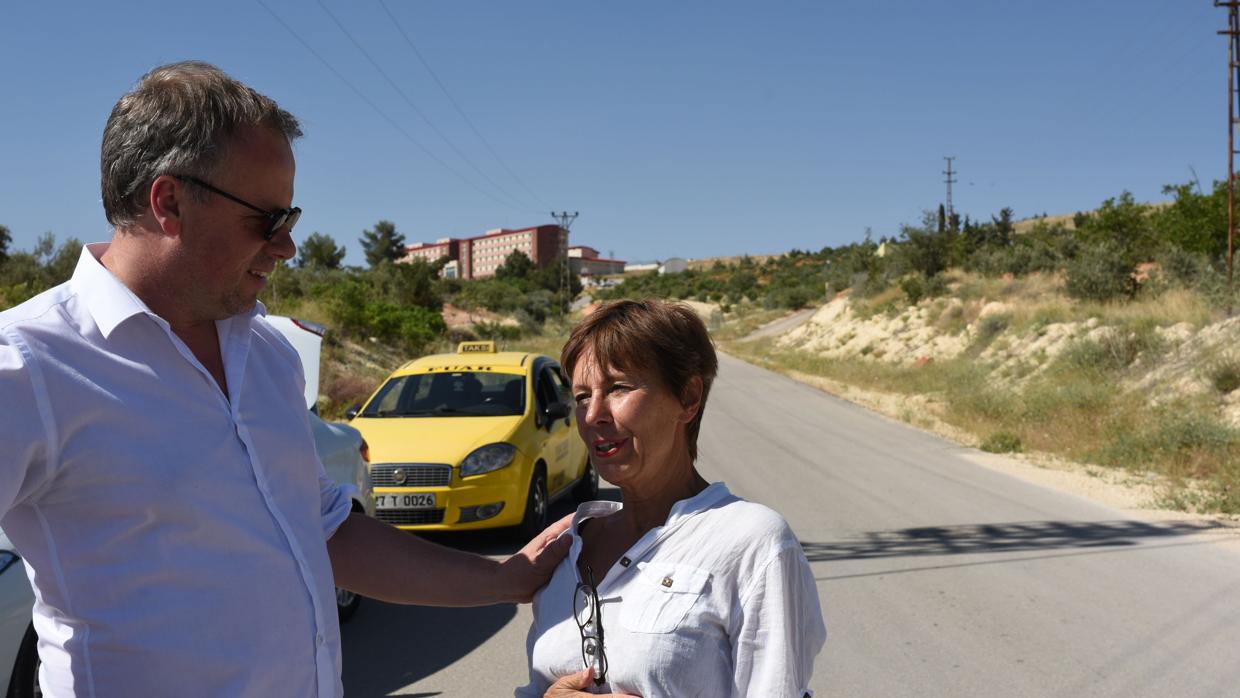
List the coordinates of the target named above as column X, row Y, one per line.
column 571, row 685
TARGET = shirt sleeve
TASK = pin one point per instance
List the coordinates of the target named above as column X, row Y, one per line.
column 26, row 429
column 781, row 629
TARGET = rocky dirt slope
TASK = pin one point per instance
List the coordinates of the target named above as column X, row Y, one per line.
column 1183, row 361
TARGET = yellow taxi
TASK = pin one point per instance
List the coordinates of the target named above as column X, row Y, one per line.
column 475, row 439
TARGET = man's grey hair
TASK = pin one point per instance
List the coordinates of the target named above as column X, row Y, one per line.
column 178, row 119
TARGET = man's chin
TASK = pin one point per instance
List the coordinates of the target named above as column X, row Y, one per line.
column 238, row 304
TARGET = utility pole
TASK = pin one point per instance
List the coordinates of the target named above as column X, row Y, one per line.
column 950, row 181
column 565, row 219
column 1233, row 52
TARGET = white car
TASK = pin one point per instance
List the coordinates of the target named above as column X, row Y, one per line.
column 340, row 447
column 18, row 651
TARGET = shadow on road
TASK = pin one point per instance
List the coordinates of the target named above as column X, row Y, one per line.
column 1000, row 537
column 388, row 646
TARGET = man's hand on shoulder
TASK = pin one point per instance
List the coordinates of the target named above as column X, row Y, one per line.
column 572, row 685
column 530, row 567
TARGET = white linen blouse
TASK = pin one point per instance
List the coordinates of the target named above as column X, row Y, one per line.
column 719, row 601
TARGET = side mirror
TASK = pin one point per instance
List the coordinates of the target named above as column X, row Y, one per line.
column 557, row 410
column 352, row 411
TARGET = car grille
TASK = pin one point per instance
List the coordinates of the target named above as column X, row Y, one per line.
column 399, row 517
column 416, row 474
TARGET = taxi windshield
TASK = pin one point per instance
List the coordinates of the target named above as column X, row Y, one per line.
column 455, row 394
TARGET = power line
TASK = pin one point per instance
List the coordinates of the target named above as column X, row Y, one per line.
column 379, row 111
column 422, row 115
column 455, row 105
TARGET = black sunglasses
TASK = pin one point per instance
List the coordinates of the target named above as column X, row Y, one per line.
column 281, row 218
column 589, row 616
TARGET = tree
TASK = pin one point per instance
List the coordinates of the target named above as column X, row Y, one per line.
column 319, row 251
column 517, row 265
column 407, row 284
column 1003, row 227
column 382, row 244
column 61, row 263
column 1195, row 222
column 5, row 240
column 550, row 277
column 1125, row 226
column 43, row 248
column 924, row 250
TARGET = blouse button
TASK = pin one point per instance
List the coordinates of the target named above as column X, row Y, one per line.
column 667, row 582
column 625, row 562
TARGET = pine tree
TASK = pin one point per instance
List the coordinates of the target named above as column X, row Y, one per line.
column 382, row 244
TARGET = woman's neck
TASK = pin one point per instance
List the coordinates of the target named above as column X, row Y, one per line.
column 645, row 510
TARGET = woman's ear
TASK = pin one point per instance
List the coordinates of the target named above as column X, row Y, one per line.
column 691, row 401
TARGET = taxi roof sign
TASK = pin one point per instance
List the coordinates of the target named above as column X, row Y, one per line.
column 476, row 348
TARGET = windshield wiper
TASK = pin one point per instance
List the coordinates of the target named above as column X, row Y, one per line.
column 453, row 410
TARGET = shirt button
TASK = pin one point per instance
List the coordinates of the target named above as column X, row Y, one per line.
column 667, row 582
column 319, row 640
column 625, row 562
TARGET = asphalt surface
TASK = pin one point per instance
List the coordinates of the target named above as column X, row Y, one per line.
column 938, row 576
column 782, row 325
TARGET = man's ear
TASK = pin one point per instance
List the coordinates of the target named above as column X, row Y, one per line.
column 166, row 197
column 691, row 402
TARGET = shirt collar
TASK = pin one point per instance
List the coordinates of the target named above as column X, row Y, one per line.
column 111, row 302
column 681, row 512
column 706, row 499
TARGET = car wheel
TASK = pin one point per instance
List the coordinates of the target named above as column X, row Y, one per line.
column 536, row 506
column 587, row 487
column 25, row 681
column 346, row 603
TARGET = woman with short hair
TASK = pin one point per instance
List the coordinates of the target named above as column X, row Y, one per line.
column 684, row 589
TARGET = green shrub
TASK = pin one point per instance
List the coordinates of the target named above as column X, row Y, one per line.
column 1100, row 272
column 1181, row 436
column 1224, row 373
column 1001, row 442
column 791, row 297
column 1114, row 350
column 917, row 287
column 990, row 327
column 1183, row 268
column 497, row 331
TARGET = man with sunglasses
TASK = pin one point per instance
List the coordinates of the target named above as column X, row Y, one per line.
column 158, row 472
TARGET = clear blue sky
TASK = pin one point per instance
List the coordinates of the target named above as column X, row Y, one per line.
column 688, row 129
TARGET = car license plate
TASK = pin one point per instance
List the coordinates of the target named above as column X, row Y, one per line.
column 416, row 500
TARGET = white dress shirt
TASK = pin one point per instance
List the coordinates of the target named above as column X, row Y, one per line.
column 719, row 601
column 174, row 535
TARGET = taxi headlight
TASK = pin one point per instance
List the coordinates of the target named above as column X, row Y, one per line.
column 484, row 459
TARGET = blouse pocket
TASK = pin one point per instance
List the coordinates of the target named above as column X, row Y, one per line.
column 661, row 596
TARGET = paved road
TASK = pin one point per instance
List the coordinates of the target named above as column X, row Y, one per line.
column 938, row 576
column 782, row 325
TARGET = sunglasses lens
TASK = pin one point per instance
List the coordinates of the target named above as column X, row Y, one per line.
column 286, row 219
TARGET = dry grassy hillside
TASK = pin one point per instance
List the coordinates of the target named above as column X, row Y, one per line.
column 1150, row 387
